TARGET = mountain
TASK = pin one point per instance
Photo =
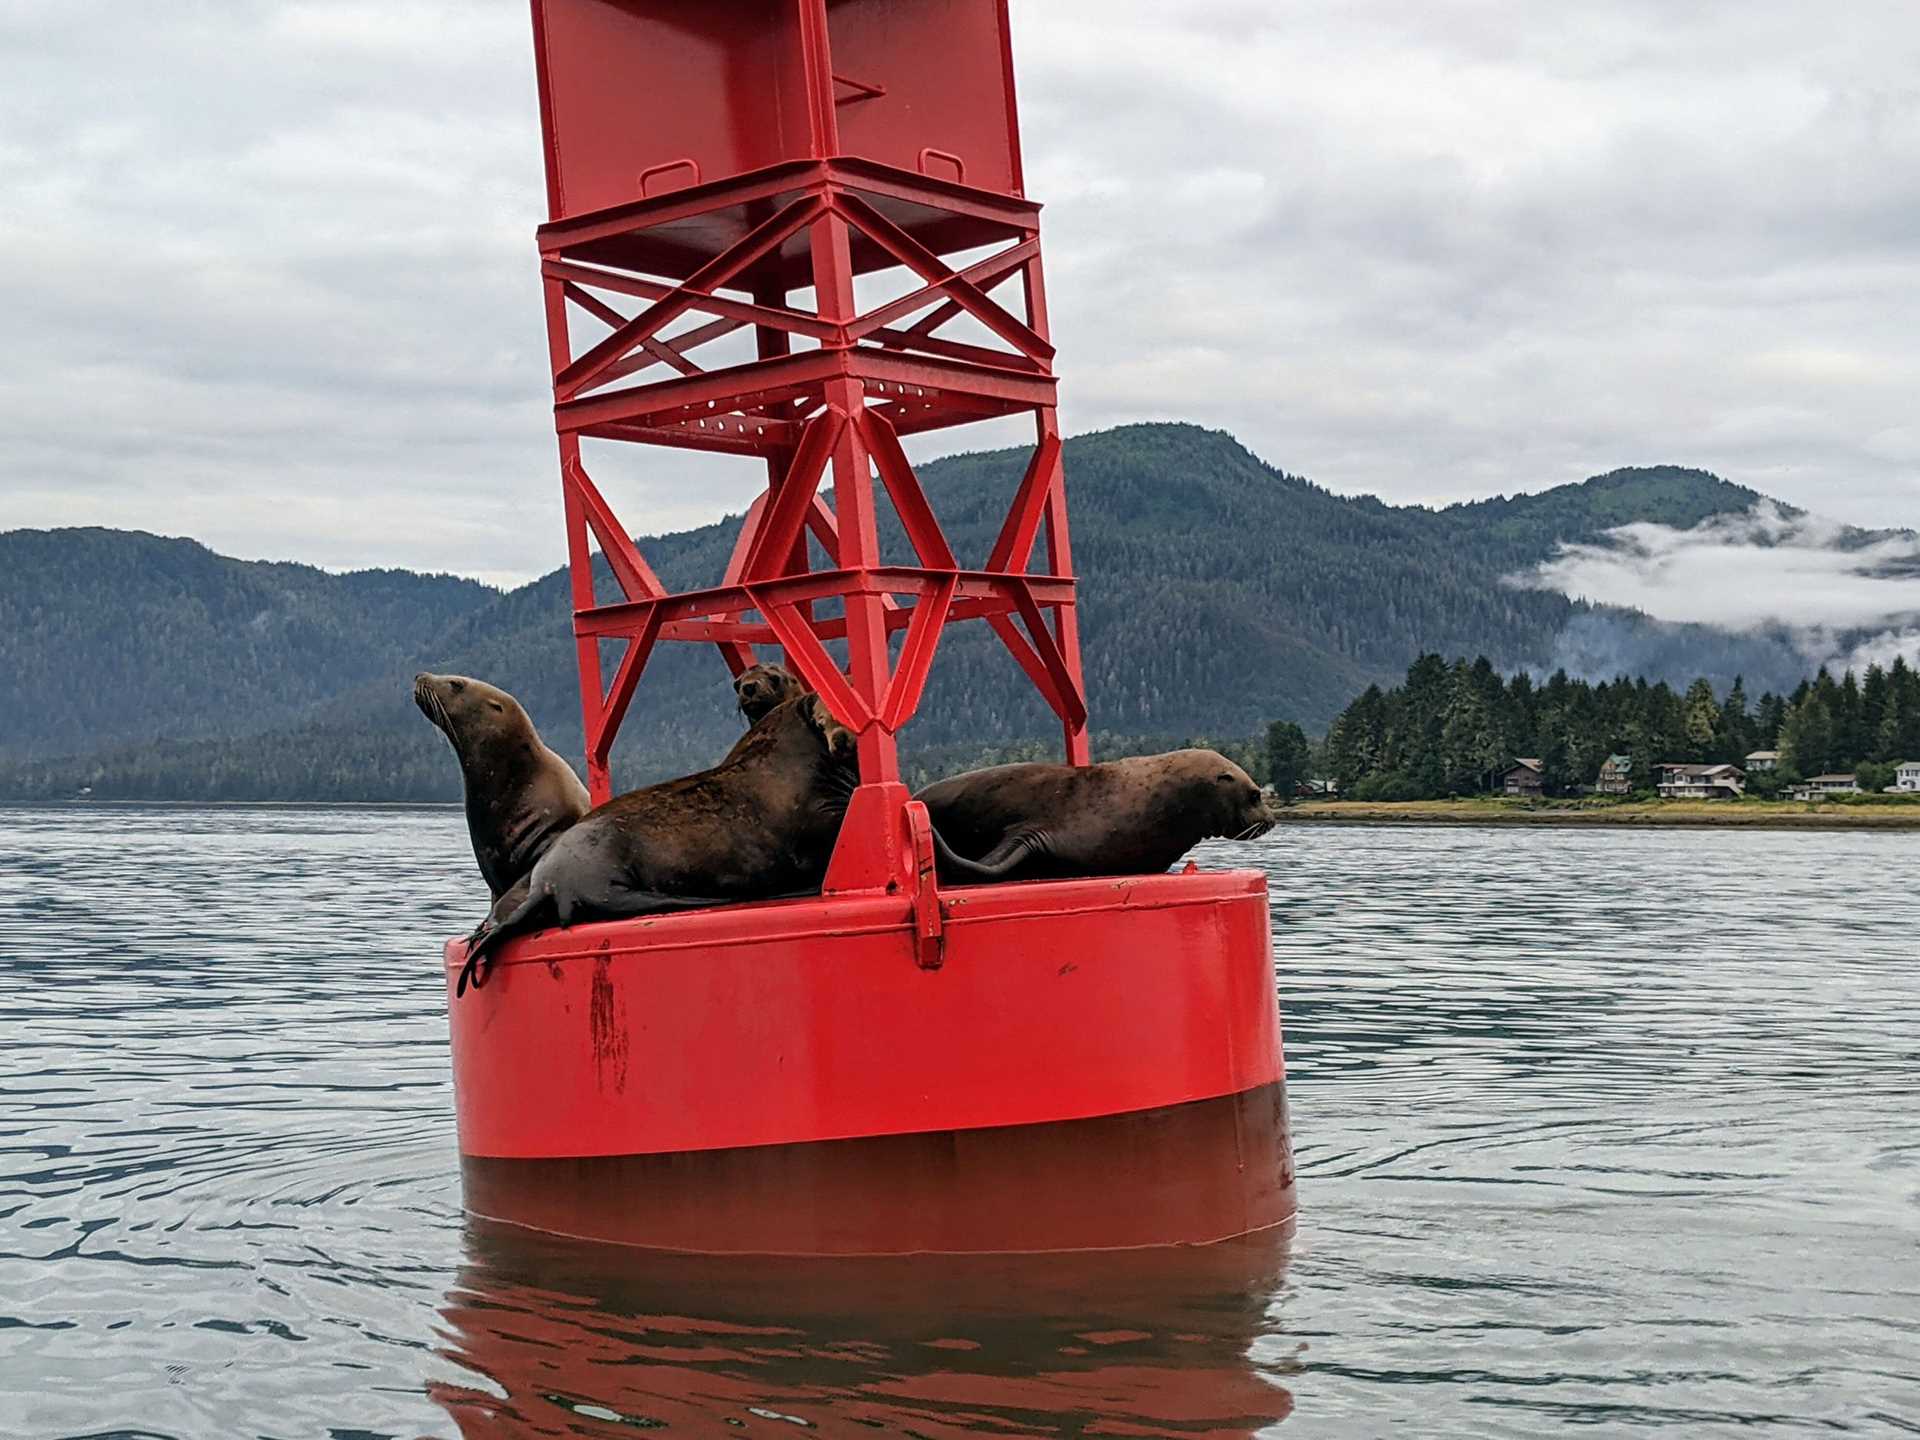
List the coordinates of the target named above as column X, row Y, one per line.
column 110, row 636
column 1217, row 593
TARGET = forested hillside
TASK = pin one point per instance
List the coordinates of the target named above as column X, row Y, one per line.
column 109, row 635
column 1217, row 593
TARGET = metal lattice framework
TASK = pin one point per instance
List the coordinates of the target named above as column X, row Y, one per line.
column 830, row 393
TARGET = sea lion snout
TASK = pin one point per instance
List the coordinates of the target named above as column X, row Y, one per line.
column 435, row 694
column 760, row 689
column 1249, row 814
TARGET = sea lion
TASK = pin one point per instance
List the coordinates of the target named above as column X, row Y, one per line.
column 761, row 688
column 1124, row 817
column 519, row 794
column 759, row 825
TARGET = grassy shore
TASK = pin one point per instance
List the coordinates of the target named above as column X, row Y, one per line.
column 1887, row 814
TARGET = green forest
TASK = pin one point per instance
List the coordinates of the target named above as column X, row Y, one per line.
column 1216, row 592
column 1453, row 729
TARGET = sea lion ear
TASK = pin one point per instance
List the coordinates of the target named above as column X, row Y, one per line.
column 841, row 742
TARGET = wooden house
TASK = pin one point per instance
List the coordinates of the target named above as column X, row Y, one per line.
column 1616, row 776
column 1527, row 777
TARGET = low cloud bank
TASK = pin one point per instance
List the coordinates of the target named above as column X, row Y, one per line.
column 1604, row 644
column 1838, row 596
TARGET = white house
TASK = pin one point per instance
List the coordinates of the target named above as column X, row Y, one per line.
column 1906, row 778
column 1821, row 786
column 1761, row 761
column 1702, row 782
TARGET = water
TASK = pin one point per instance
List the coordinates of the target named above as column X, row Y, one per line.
column 1597, row 1130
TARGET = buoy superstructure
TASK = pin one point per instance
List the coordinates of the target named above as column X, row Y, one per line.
column 796, row 231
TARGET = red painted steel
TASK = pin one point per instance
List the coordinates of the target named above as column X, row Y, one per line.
column 714, row 165
column 835, row 1077
column 894, row 1065
column 816, row 1020
column 1192, row 1174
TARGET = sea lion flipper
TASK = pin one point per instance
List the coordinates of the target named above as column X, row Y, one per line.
column 996, row 865
column 492, row 934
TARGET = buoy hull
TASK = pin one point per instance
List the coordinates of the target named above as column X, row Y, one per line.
column 1093, row 1064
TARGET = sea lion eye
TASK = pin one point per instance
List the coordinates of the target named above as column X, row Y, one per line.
column 495, row 705
column 456, row 684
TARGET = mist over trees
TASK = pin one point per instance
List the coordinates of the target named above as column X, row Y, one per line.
column 1453, row 729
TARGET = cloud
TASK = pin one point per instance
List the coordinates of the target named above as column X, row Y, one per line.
column 1846, row 597
column 268, row 271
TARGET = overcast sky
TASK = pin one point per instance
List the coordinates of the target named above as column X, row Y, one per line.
column 267, row 277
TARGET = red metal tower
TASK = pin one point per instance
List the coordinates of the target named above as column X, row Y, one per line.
column 757, row 164
column 891, row 1066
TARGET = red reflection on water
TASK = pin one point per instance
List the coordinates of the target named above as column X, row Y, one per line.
column 587, row 1340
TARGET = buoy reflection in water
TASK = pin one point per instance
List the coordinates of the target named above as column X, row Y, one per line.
column 591, row 1340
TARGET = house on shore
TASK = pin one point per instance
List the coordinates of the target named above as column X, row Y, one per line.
column 1761, row 761
column 1527, row 777
column 1821, row 786
column 1702, row 782
column 1906, row 778
column 1616, row 776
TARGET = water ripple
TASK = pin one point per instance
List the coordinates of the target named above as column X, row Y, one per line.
column 1607, row 1130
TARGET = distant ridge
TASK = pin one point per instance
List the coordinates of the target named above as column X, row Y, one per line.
column 1218, row 592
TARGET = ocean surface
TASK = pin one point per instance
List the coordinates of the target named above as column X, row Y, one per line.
column 1599, row 1132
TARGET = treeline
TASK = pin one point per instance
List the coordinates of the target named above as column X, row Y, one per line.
column 343, row 765
column 1456, row 729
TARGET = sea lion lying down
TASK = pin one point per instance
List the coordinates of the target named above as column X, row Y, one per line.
column 759, row 825
column 519, row 794
column 1122, row 817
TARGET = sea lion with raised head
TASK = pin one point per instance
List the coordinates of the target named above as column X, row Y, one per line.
column 761, row 688
column 519, row 794
column 1123, row 817
column 759, row 825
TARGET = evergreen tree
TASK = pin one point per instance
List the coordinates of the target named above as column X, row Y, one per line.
column 1289, row 757
column 1701, row 721
column 1418, row 717
column 1875, row 696
column 1850, row 741
column 1470, row 750
column 1734, row 739
column 1807, row 737
column 1901, row 728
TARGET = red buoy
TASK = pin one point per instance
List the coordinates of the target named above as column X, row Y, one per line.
column 896, row 1065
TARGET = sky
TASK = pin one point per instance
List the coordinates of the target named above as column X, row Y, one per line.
column 267, row 272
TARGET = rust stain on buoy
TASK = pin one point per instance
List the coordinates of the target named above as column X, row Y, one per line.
column 609, row 1036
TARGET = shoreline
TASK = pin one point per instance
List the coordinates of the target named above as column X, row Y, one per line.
column 1769, row 815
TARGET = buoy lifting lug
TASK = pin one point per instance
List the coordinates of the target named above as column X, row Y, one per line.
column 929, row 923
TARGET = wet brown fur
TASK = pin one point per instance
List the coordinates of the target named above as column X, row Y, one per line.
column 1135, row 816
column 520, row 795
column 760, row 824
